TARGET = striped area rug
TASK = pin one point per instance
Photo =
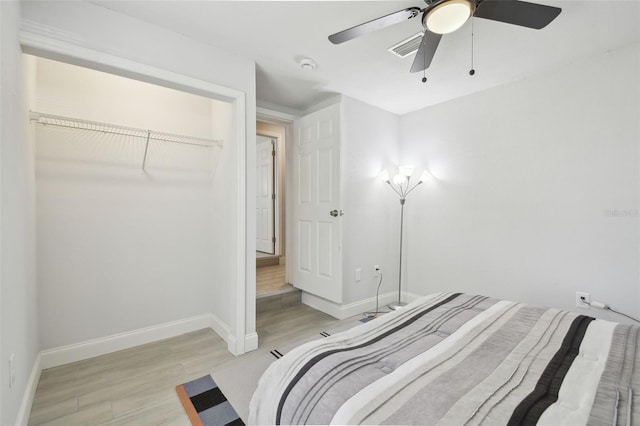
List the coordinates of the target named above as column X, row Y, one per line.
column 205, row 403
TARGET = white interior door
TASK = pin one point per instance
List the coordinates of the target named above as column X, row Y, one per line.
column 317, row 214
column 265, row 195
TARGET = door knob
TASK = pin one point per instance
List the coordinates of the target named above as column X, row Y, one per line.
column 336, row 213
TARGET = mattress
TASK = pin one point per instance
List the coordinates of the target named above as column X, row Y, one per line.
column 455, row 359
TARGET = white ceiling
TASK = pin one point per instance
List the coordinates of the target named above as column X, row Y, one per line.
column 277, row 34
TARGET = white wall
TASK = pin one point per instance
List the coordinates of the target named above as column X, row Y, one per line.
column 18, row 317
column 528, row 177
column 119, row 249
column 90, row 26
column 371, row 210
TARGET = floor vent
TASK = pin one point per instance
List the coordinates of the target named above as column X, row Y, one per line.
column 408, row 46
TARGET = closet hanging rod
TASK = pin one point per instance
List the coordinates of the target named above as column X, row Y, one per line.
column 115, row 129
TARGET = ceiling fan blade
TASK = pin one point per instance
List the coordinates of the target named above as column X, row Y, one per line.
column 376, row 24
column 522, row 13
column 426, row 51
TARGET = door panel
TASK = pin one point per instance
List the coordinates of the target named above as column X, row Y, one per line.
column 304, row 178
column 318, row 262
column 325, row 175
column 264, row 196
column 325, row 244
column 304, row 245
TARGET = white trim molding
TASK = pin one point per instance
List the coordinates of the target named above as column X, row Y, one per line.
column 269, row 113
column 45, row 46
column 29, row 393
column 241, row 226
column 339, row 311
column 222, row 329
column 251, row 342
column 117, row 342
column 95, row 347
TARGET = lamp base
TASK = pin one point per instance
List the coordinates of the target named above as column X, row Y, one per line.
column 396, row 305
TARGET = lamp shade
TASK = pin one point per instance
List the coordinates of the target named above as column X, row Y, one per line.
column 384, row 176
column 448, row 16
column 425, row 176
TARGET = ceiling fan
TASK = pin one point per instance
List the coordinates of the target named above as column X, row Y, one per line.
column 445, row 16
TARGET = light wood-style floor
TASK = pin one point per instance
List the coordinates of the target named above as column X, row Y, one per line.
column 271, row 280
column 137, row 386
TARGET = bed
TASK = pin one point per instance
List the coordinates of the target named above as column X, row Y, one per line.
column 455, row 359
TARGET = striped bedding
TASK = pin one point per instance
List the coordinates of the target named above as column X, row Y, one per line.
column 457, row 359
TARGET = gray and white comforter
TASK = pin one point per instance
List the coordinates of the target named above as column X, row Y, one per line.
column 459, row 359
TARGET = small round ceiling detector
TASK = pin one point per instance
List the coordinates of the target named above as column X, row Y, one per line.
column 308, row 64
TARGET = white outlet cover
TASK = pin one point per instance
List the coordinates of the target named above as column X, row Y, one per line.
column 580, row 303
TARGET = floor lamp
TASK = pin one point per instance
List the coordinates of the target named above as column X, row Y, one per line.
column 401, row 186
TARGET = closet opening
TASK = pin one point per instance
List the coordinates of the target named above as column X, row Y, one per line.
column 139, row 220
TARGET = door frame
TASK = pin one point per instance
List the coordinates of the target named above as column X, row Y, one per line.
column 43, row 43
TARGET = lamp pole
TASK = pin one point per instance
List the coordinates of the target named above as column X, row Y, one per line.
column 400, row 303
column 403, row 190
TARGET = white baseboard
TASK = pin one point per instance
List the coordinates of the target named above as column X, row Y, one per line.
column 223, row 330
column 232, row 345
column 104, row 345
column 117, row 342
column 339, row 311
column 323, row 305
column 29, row 393
column 251, row 342
column 368, row 305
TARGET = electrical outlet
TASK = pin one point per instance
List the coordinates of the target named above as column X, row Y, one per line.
column 376, row 270
column 581, row 298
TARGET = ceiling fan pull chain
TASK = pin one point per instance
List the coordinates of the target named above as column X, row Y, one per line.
column 424, row 62
column 472, row 71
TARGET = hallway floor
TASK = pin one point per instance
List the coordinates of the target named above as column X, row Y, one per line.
column 271, row 280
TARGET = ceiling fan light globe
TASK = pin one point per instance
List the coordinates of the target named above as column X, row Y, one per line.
column 448, row 16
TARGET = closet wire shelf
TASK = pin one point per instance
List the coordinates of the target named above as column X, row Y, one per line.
column 115, row 129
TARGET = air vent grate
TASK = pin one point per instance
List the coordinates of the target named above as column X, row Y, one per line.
column 408, row 46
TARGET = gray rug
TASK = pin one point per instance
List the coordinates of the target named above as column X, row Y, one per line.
column 239, row 377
